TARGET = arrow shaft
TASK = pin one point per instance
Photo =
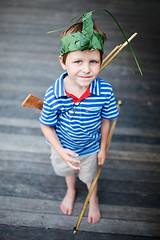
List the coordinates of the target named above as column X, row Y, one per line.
column 96, row 177
column 115, row 51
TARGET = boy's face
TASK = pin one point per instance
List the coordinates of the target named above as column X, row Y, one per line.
column 82, row 66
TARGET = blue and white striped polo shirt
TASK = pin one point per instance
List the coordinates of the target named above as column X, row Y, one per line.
column 77, row 124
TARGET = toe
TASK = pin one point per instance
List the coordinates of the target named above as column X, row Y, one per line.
column 97, row 219
column 69, row 212
column 63, row 209
column 89, row 219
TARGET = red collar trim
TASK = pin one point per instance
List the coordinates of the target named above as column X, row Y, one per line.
column 75, row 99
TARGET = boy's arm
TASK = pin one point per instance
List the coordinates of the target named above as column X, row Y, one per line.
column 51, row 136
column 105, row 127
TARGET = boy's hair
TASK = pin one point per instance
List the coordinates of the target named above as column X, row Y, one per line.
column 77, row 27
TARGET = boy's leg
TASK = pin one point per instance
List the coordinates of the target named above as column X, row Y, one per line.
column 68, row 201
column 94, row 210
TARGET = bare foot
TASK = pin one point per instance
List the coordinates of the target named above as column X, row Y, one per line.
column 68, row 202
column 94, row 211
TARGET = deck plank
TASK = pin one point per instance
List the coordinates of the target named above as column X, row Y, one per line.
column 67, row 222
column 52, row 207
column 33, row 233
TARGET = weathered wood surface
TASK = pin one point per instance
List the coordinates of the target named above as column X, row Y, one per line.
column 129, row 185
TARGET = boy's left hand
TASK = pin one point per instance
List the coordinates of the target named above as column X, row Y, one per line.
column 102, row 154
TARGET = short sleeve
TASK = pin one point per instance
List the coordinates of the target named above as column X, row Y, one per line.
column 110, row 110
column 49, row 115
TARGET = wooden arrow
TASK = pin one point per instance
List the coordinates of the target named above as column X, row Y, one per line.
column 97, row 175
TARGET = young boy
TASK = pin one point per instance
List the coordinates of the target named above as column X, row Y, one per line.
column 77, row 111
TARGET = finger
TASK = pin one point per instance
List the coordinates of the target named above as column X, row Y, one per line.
column 100, row 162
column 70, row 152
column 74, row 167
column 73, row 160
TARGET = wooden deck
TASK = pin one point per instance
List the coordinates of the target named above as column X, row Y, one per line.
column 129, row 185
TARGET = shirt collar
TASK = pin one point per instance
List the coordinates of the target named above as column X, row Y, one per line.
column 95, row 87
column 59, row 91
column 58, row 87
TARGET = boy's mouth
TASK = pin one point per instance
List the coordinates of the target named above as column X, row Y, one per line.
column 85, row 77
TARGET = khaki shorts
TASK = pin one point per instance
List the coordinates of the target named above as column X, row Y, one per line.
column 88, row 165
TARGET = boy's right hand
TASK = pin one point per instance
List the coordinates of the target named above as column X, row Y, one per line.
column 70, row 161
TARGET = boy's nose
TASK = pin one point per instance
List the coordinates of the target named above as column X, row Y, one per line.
column 86, row 68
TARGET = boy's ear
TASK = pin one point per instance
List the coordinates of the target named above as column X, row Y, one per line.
column 62, row 63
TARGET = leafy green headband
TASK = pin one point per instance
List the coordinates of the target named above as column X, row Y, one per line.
column 86, row 39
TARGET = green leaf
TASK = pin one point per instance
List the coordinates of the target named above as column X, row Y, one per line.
column 126, row 40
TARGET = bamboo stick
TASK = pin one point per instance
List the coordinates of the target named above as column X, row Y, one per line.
column 110, row 54
column 97, row 175
column 108, row 60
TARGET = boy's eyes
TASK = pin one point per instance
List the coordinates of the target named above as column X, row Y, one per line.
column 93, row 61
column 79, row 61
